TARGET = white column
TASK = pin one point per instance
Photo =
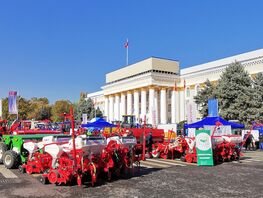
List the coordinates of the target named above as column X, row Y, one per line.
column 111, row 108
column 143, row 103
column 129, row 103
column 173, row 107
column 177, row 106
column 123, row 105
column 136, row 105
column 182, row 105
column 156, row 109
column 151, row 105
column 117, row 108
column 106, row 107
column 163, row 106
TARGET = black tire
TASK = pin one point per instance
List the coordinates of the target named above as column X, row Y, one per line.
column 11, row 159
column 43, row 180
column 3, row 149
column 21, row 169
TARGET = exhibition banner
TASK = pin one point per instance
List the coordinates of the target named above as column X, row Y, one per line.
column 204, row 148
column 12, row 106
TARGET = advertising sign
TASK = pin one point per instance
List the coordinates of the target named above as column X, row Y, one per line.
column 204, row 148
column 12, row 106
column 220, row 130
column 212, row 107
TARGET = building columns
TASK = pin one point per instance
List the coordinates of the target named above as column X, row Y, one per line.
column 106, row 111
column 151, row 106
column 111, row 108
column 173, row 107
column 156, row 108
column 143, row 103
column 136, row 105
column 117, row 108
column 123, row 105
column 163, row 110
column 129, row 103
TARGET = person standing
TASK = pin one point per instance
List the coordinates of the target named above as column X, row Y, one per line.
column 149, row 144
column 260, row 141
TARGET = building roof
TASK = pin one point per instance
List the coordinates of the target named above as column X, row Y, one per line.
column 148, row 64
column 223, row 62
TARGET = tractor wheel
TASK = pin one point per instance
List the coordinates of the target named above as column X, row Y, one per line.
column 43, row 180
column 53, row 177
column 29, row 169
column 3, row 149
column 11, row 159
column 189, row 158
column 21, row 169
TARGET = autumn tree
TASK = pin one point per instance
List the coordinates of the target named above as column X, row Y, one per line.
column 59, row 108
column 39, row 109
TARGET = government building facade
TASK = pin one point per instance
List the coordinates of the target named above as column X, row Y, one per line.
column 158, row 90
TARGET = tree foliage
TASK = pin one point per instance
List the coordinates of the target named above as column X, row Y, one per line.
column 59, row 108
column 39, row 109
column 234, row 93
column 86, row 106
column 202, row 97
column 258, row 97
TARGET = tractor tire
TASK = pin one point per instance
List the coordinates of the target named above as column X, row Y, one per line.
column 3, row 149
column 21, row 169
column 43, row 180
column 11, row 159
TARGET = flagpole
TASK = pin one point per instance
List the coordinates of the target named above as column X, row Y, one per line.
column 127, row 52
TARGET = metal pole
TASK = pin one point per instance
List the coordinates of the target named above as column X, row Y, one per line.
column 143, row 144
column 73, row 134
column 127, row 52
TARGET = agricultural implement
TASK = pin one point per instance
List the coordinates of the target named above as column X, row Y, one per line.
column 12, row 150
column 80, row 159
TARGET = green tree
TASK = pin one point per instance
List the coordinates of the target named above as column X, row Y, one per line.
column 59, row 108
column 23, row 108
column 202, row 97
column 39, row 109
column 5, row 108
column 234, row 93
column 258, row 97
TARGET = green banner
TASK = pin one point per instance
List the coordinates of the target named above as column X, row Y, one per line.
column 204, row 148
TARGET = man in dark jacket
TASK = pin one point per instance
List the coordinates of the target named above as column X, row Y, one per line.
column 149, row 143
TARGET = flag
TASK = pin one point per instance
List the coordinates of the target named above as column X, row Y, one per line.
column 12, row 106
column 175, row 86
column 126, row 45
column 184, row 84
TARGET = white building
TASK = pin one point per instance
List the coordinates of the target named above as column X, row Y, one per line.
column 158, row 89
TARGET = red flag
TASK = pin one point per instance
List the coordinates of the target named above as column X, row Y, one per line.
column 126, row 45
column 184, row 84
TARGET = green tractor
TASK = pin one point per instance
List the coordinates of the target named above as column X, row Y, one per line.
column 12, row 152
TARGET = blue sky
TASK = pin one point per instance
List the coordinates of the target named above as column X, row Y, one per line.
column 58, row 48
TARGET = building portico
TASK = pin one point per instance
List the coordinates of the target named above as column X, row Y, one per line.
column 143, row 88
